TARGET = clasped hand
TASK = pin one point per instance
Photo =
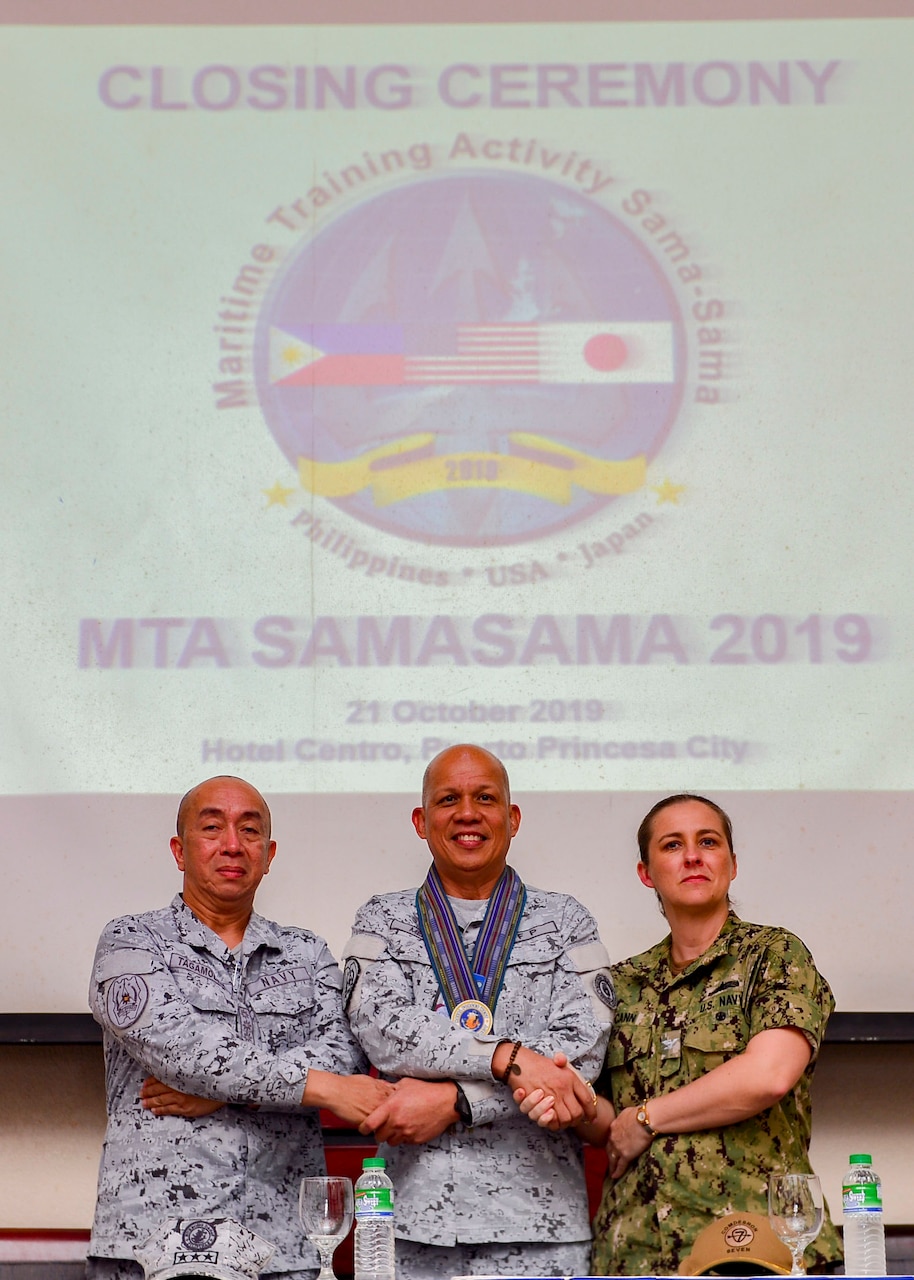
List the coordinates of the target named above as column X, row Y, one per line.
column 624, row 1137
column 414, row 1111
column 552, row 1092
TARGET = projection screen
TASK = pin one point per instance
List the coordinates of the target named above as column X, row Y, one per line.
column 376, row 382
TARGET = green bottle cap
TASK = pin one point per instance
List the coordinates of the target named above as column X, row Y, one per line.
column 373, row 1163
column 861, row 1159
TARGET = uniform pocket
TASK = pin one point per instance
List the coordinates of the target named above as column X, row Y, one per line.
column 284, row 1013
column 723, row 1032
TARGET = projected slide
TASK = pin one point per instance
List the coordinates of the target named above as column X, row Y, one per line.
column 374, row 387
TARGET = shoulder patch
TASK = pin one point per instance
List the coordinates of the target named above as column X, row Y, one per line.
column 350, row 978
column 604, row 989
column 125, row 1000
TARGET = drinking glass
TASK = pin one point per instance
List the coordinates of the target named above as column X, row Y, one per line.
column 795, row 1209
column 325, row 1210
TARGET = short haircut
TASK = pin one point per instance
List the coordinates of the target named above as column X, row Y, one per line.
column 188, row 797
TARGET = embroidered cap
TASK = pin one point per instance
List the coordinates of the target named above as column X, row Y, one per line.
column 218, row 1247
column 740, row 1244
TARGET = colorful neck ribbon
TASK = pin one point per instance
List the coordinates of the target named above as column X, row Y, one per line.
column 461, row 981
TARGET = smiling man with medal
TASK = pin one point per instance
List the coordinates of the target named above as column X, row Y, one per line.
column 461, row 991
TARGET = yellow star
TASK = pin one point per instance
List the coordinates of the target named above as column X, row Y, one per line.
column 668, row 492
column 278, row 496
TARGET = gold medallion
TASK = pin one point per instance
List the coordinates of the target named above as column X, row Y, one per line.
column 472, row 1015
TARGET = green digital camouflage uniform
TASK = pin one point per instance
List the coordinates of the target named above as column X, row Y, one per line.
column 669, row 1030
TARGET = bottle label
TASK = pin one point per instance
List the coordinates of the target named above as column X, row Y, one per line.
column 862, row 1197
column 374, row 1202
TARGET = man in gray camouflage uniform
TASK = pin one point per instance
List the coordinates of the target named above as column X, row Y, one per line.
column 477, row 1187
column 223, row 1033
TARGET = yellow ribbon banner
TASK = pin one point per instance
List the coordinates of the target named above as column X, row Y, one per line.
column 394, row 472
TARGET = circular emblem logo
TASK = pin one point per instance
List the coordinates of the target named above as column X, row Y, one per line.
column 472, row 1015
column 471, row 359
column 606, row 992
column 739, row 1235
column 198, row 1236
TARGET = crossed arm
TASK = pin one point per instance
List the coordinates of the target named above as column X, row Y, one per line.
column 352, row 1098
column 767, row 1069
column 410, row 1111
column 420, row 1046
column 418, row 1111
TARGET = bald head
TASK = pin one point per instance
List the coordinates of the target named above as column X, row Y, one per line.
column 460, row 749
column 188, row 802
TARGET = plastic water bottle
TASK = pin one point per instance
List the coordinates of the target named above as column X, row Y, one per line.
column 374, row 1223
column 864, row 1230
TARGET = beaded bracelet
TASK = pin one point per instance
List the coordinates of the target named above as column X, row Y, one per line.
column 511, row 1068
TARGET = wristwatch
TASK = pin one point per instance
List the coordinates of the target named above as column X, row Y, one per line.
column 644, row 1120
column 462, row 1106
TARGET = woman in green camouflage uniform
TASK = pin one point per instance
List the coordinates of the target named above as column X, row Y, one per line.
column 705, row 1091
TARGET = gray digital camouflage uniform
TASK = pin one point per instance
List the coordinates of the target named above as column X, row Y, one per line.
column 501, row 1179
column 670, row 1030
column 174, row 1003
